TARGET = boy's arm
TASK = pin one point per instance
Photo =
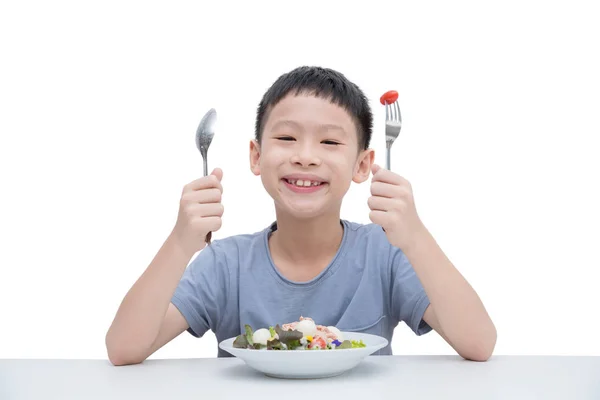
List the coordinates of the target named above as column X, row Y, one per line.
column 146, row 320
column 173, row 325
column 455, row 310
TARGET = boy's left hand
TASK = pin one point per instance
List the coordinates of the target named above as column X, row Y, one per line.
column 393, row 207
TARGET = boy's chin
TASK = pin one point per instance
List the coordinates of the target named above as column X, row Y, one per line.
column 304, row 211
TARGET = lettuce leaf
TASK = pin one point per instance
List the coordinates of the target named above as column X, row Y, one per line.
column 274, row 344
column 288, row 337
column 240, row 342
column 249, row 335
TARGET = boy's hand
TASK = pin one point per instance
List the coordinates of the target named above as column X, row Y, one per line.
column 393, row 208
column 200, row 211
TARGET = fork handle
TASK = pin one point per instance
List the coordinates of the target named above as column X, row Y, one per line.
column 388, row 149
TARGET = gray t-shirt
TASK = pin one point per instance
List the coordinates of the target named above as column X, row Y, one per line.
column 368, row 287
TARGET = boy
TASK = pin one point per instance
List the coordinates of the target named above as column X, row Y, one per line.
column 313, row 130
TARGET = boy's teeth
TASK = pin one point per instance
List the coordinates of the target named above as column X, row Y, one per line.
column 303, row 183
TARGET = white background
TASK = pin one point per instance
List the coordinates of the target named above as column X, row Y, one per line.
column 99, row 104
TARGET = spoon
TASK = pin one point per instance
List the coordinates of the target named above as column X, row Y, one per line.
column 204, row 136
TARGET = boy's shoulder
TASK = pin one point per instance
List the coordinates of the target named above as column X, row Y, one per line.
column 243, row 239
column 369, row 233
column 369, row 229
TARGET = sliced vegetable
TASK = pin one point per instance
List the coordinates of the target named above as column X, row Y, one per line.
column 317, row 343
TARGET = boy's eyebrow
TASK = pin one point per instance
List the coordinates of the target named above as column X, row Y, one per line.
column 297, row 126
column 286, row 122
column 332, row 127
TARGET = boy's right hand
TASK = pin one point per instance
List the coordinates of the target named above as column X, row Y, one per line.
column 200, row 211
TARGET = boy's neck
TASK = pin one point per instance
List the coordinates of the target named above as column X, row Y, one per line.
column 304, row 241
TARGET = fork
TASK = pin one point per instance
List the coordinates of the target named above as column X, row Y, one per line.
column 393, row 123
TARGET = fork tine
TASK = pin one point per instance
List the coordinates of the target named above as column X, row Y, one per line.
column 398, row 116
column 390, row 112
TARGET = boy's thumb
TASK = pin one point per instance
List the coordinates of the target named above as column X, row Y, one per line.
column 218, row 172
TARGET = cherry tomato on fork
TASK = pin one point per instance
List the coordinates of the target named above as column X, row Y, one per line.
column 389, row 97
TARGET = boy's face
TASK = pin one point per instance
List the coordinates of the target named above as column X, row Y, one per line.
column 308, row 156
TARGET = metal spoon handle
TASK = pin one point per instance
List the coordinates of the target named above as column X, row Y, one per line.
column 205, row 166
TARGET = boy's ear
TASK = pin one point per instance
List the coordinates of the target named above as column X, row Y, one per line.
column 364, row 163
column 254, row 157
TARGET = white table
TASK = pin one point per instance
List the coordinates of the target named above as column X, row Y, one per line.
column 378, row 377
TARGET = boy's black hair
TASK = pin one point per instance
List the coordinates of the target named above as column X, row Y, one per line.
column 323, row 83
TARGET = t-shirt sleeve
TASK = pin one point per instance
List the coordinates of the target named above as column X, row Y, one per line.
column 409, row 300
column 201, row 294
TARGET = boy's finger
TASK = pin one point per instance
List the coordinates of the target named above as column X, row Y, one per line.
column 378, row 217
column 218, row 172
column 380, row 174
column 383, row 189
column 205, row 196
column 206, row 182
column 387, row 176
column 379, row 203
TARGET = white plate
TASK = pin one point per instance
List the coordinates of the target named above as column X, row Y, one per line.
column 307, row 364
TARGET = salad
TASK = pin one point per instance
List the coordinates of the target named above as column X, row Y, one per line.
column 300, row 335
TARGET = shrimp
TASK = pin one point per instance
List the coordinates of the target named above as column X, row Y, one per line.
column 326, row 333
column 292, row 325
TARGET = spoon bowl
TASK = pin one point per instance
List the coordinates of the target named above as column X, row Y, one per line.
column 205, row 134
column 204, row 137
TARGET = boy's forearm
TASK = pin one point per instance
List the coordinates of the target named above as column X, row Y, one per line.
column 457, row 307
column 141, row 313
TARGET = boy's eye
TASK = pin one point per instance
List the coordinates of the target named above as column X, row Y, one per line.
column 332, row 142
column 288, row 138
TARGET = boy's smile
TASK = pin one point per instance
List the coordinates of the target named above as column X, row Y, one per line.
column 308, row 155
column 304, row 183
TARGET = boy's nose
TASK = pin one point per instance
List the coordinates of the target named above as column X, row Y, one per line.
column 305, row 157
